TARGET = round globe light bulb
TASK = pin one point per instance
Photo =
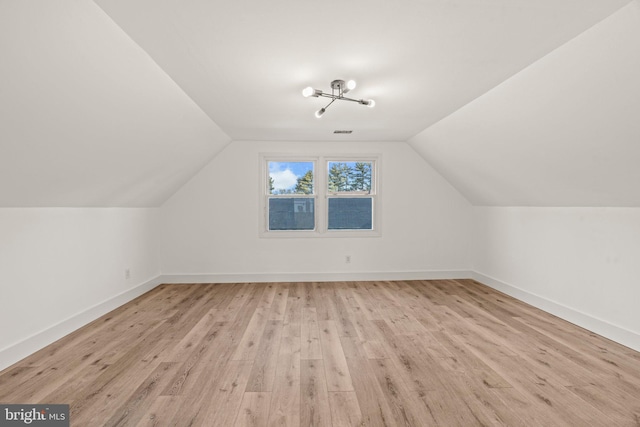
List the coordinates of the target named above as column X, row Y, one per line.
column 371, row 103
column 320, row 112
column 351, row 84
column 308, row 91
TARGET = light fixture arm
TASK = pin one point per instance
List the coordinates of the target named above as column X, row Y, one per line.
column 339, row 86
column 341, row 97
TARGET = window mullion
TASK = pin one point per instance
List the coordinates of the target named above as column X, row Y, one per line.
column 320, row 194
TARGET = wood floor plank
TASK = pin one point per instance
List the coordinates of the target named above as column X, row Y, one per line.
column 374, row 407
column 292, row 321
column 418, row 370
column 102, row 397
column 484, row 403
column 263, row 372
column 191, row 357
column 134, row 408
column 344, row 318
column 161, row 411
column 441, row 353
column 97, row 333
column 268, row 295
column 366, row 304
column 584, row 342
column 248, row 346
column 402, row 323
column 325, row 309
column 203, row 332
column 571, row 374
column 254, row 410
column 335, row 364
column 279, row 303
column 353, row 348
column 345, row 410
column 204, row 376
column 314, row 401
column 236, row 299
column 370, row 337
column 463, row 360
column 445, row 320
column 548, row 396
column 400, row 398
column 285, row 398
column 12, row 377
column 190, row 312
column 621, row 408
column 226, row 399
column 449, row 409
column 91, row 358
column 310, row 335
column 428, row 344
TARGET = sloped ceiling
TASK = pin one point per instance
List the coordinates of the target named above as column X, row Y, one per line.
column 119, row 102
column 86, row 117
column 563, row 132
column 245, row 62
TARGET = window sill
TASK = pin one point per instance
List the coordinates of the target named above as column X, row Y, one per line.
column 305, row 234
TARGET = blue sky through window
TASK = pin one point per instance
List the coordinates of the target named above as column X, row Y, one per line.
column 285, row 174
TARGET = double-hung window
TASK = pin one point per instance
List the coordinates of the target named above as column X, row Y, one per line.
column 291, row 195
column 349, row 195
column 320, row 196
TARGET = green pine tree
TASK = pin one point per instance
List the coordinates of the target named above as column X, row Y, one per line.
column 304, row 184
column 361, row 177
column 340, row 177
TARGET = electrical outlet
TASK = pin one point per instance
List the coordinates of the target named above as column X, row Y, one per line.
column 127, row 274
column 347, row 259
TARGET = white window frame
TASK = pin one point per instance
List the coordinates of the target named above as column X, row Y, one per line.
column 320, row 195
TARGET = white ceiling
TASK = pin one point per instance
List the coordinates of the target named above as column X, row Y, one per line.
column 563, row 132
column 86, row 117
column 120, row 102
column 245, row 62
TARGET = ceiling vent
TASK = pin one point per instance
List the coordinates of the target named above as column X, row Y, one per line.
column 343, row 131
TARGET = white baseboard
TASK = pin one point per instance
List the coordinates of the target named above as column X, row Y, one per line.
column 16, row 352
column 316, row 277
column 601, row 327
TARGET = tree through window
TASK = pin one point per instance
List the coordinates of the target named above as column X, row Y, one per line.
column 350, row 204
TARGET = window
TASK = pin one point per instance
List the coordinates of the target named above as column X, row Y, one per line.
column 320, row 196
column 349, row 200
column 291, row 197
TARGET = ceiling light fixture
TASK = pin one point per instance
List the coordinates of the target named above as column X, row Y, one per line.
column 338, row 89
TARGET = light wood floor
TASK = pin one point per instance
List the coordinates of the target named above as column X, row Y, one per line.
column 417, row 353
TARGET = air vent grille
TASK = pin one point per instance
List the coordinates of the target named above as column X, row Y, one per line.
column 343, row 131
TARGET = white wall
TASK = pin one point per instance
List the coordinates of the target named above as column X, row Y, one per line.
column 582, row 264
column 210, row 226
column 63, row 267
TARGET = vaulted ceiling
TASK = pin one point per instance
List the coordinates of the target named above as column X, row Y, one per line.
column 119, row 102
column 563, row 132
column 87, row 118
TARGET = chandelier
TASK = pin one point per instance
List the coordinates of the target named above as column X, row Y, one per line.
column 338, row 89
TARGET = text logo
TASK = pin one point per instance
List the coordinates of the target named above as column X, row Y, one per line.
column 34, row 415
